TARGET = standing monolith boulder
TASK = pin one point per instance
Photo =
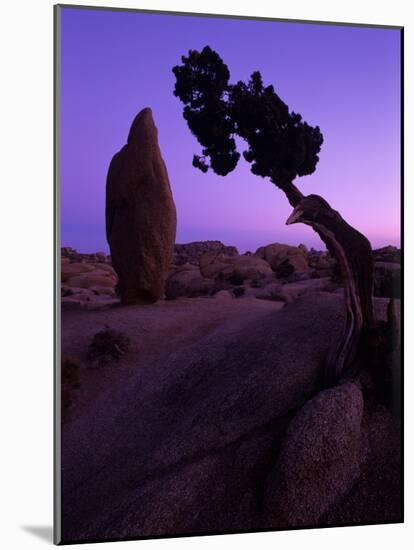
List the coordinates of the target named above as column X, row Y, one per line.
column 140, row 214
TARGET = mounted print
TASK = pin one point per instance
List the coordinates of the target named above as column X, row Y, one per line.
column 228, row 274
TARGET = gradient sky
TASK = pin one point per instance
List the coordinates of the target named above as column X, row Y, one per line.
column 344, row 79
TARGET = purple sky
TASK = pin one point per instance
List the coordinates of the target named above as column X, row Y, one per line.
column 344, row 79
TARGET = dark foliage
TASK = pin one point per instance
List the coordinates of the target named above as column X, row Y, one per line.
column 256, row 283
column 387, row 283
column 70, row 381
column 203, row 86
column 220, row 284
column 235, row 279
column 284, row 269
column 281, row 145
column 381, row 353
column 108, row 345
column 238, row 291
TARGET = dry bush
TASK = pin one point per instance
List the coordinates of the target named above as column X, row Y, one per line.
column 69, row 381
column 239, row 291
column 107, row 346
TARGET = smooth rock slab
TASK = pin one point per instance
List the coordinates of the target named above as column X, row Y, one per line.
column 189, row 413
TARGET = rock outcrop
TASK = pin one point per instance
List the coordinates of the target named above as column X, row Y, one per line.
column 214, row 399
column 191, row 252
column 188, row 449
column 88, row 281
column 187, row 281
column 284, row 259
column 290, row 292
column 388, row 253
column 323, row 439
column 140, row 214
column 233, row 268
column 387, row 279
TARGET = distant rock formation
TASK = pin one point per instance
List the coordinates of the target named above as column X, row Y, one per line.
column 284, row 259
column 140, row 214
column 213, row 269
column 236, row 268
column 187, row 281
column 88, row 280
column 387, row 272
column 191, row 252
column 387, row 254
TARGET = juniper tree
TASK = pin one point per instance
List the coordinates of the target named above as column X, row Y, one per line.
column 280, row 146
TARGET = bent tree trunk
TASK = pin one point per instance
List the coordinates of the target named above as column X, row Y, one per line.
column 354, row 255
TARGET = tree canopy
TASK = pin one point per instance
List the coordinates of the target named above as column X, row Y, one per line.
column 280, row 144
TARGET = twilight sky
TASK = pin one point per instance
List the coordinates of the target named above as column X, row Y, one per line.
column 344, row 79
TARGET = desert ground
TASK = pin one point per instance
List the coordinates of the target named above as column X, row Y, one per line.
column 211, row 412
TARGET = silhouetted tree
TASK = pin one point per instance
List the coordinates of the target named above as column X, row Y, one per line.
column 280, row 146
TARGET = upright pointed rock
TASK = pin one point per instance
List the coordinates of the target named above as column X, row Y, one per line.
column 140, row 214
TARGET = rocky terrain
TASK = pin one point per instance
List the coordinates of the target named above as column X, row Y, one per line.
column 195, row 392
column 88, row 280
column 215, row 415
column 216, row 418
column 212, row 269
column 387, row 280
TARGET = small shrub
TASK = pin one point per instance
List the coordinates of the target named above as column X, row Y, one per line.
column 238, row 291
column 108, row 345
column 235, row 279
column 387, row 284
column 219, row 285
column 256, row 283
column 275, row 295
column 69, row 381
column 284, row 269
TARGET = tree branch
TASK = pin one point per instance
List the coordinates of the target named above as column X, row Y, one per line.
column 353, row 252
column 294, row 196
